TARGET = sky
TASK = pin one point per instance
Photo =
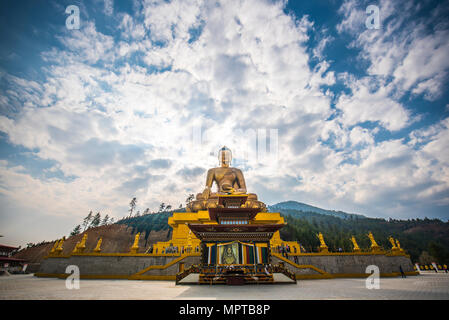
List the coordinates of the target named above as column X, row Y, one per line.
column 318, row 103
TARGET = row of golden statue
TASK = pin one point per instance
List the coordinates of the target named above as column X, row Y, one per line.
column 81, row 245
column 375, row 248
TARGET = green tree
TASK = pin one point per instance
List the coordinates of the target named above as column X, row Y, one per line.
column 95, row 220
column 105, row 220
column 161, row 207
column 426, row 258
column 132, row 206
column 87, row 220
column 76, row 230
column 190, row 198
column 437, row 251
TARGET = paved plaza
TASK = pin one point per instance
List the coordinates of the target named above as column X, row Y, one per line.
column 428, row 285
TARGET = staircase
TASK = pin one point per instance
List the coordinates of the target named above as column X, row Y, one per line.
column 181, row 275
column 237, row 276
column 282, row 269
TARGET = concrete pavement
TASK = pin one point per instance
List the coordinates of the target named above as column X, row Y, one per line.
column 425, row 286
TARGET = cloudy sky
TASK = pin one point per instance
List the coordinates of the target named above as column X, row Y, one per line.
column 137, row 101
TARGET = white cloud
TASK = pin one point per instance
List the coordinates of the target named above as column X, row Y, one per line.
column 371, row 101
column 403, row 48
column 107, row 115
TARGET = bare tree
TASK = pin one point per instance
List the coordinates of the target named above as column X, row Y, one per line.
column 190, row 198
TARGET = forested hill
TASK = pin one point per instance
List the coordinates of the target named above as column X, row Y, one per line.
column 149, row 222
column 299, row 206
column 424, row 239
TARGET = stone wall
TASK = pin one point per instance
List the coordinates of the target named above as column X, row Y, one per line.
column 126, row 266
column 349, row 264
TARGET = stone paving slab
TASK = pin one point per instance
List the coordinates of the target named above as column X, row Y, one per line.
column 426, row 286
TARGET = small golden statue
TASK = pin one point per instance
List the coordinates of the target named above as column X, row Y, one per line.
column 356, row 246
column 75, row 249
column 393, row 244
column 59, row 248
column 135, row 246
column 98, row 247
column 374, row 246
column 55, row 245
column 80, row 245
column 323, row 246
column 229, row 180
column 394, row 247
column 399, row 246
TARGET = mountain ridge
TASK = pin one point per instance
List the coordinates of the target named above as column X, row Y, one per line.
column 304, row 207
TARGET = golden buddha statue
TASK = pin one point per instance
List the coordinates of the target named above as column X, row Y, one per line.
column 228, row 180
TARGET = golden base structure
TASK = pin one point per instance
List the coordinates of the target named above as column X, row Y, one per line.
column 226, row 237
column 185, row 240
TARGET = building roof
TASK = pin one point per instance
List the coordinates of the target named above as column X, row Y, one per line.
column 7, row 248
column 226, row 232
column 8, row 259
column 246, row 213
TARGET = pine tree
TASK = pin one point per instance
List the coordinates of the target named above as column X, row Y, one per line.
column 105, row 220
column 76, row 230
column 96, row 220
column 190, row 198
column 132, row 206
column 87, row 220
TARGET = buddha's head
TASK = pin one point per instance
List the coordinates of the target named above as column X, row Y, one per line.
column 225, row 157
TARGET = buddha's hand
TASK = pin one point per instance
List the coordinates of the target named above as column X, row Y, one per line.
column 226, row 187
column 206, row 193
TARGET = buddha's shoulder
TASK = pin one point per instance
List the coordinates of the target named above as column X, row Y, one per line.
column 224, row 169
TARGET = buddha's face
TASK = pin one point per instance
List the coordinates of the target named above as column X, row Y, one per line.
column 225, row 157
